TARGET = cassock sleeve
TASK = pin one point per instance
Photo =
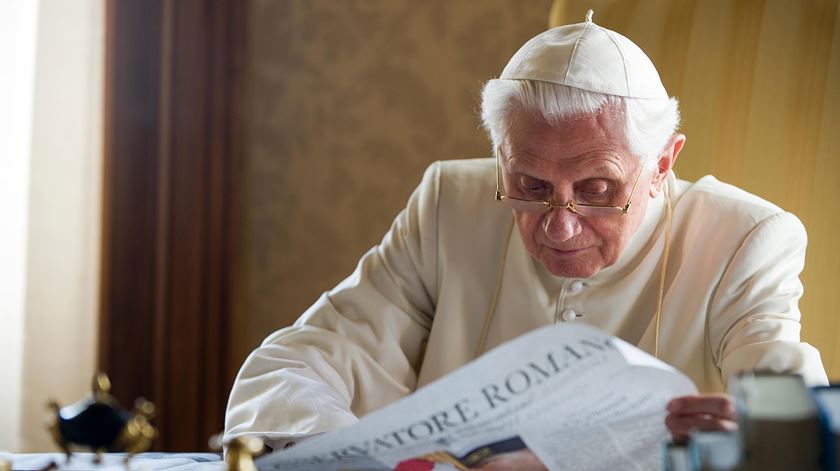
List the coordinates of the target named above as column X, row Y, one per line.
column 754, row 316
column 357, row 348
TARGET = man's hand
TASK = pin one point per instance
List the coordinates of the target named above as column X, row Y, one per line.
column 707, row 412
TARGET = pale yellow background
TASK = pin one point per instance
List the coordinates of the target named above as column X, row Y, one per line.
column 349, row 101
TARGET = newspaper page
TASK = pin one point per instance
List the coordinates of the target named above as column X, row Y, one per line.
column 558, row 398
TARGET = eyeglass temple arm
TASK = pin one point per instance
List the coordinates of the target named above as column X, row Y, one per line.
column 636, row 183
column 498, row 179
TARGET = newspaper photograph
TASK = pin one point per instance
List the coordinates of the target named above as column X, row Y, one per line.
column 558, row 398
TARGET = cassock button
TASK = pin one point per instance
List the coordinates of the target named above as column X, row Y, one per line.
column 576, row 287
column 568, row 315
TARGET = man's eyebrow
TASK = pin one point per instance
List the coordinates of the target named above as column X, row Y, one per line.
column 600, row 171
column 608, row 171
column 517, row 167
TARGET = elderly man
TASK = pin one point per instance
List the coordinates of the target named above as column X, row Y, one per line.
column 588, row 224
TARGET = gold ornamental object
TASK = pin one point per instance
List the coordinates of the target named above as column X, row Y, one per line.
column 241, row 452
column 98, row 424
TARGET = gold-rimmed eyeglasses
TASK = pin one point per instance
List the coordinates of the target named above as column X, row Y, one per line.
column 582, row 209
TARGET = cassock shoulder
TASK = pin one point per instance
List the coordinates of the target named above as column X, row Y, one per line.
column 729, row 201
column 714, row 209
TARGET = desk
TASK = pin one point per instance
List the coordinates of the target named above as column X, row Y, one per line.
column 114, row 461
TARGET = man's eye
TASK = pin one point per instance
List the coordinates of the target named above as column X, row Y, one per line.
column 532, row 185
column 594, row 192
column 594, row 188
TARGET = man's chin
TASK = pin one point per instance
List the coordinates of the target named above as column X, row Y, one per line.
column 571, row 268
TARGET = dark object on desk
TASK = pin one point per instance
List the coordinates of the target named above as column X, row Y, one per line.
column 99, row 424
column 828, row 400
column 778, row 422
column 679, row 457
column 705, row 451
column 716, row 451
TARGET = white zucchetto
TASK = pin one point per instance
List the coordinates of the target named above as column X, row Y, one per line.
column 589, row 57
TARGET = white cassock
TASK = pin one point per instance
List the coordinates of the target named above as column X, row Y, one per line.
column 416, row 305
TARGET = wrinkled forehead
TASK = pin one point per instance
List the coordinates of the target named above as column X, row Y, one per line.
column 596, row 138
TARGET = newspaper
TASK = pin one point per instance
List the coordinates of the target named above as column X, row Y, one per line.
column 558, row 398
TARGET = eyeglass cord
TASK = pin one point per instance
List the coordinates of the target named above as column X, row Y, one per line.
column 499, row 275
column 488, row 319
column 665, row 252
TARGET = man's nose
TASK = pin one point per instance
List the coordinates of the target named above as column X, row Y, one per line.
column 560, row 225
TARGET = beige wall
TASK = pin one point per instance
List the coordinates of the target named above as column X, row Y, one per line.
column 18, row 26
column 49, row 294
column 348, row 103
column 65, row 196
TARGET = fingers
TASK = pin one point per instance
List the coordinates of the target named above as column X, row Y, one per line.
column 681, row 426
column 718, row 405
column 705, row 412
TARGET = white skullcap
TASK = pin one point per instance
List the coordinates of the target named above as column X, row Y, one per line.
column 587, row 56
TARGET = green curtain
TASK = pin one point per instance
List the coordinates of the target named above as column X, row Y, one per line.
column 759, row 88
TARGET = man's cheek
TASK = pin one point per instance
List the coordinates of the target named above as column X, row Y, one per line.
column 529, row 227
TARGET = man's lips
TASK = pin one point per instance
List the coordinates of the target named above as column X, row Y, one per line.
column 566, row 251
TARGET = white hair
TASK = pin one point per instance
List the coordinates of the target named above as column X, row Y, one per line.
column 648, row 123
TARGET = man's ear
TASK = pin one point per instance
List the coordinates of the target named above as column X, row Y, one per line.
column 666, row 162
